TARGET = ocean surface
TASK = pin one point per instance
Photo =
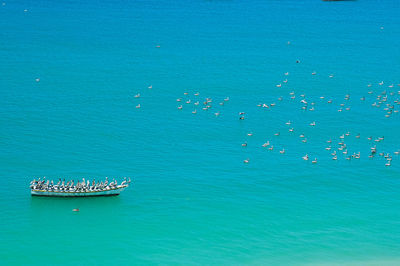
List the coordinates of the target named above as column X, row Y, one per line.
column 69, row 71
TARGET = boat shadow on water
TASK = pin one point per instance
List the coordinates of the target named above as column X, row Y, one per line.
column 70, row 204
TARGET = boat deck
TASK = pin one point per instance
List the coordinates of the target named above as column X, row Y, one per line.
column 96, row 193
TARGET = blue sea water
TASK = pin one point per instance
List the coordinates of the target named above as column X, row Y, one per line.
column 193, row 200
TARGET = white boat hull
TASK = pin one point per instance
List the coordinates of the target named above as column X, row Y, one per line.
column 108, row 192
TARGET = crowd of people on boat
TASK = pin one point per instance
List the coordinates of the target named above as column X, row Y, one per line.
column 79, row 186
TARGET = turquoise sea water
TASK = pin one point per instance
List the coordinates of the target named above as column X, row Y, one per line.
column 193, row 200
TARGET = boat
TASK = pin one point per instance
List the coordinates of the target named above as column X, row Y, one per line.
column 41, row 187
